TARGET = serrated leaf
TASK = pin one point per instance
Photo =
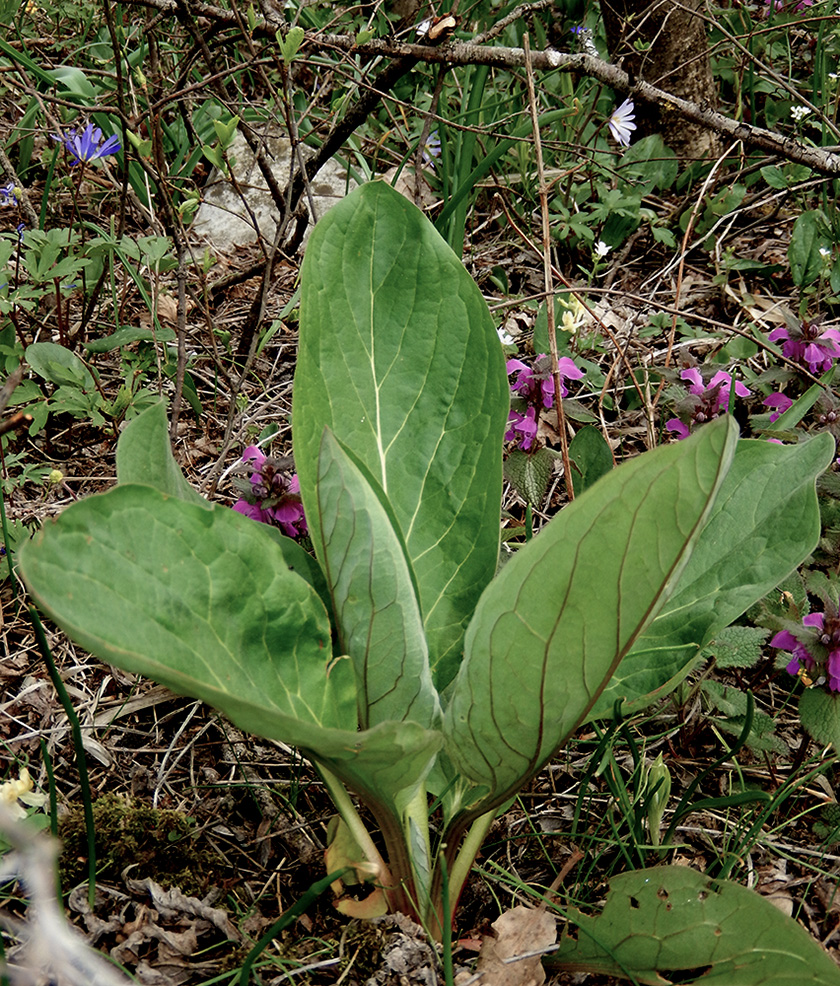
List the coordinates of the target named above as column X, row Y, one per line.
column 737, row 647
column 551, row 628
column 819, row 712
column 399, row 357
column 530, row 473
column 671, row 924
column 374, row 597
column 764, row 523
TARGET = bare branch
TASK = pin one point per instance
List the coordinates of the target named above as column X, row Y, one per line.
column 823, row 160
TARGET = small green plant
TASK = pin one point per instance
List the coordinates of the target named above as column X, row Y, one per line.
column 401, row 662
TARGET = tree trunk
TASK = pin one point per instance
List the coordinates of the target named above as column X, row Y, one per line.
column 664, row 42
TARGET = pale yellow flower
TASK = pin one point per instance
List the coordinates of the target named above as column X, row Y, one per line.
column 11, row 791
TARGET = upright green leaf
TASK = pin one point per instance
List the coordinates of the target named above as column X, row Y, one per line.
column 399, row 358
column 591, row 458
column 765, row 521
column 144, row 455
column 810, row 233
column 373, row 593
column 671, row 924
column 201, row 601
column 552, row 627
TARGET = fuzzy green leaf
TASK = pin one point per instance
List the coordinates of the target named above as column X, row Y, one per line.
column 819, row 712
column 671, row 924
column 530, row 473
column 554, row 624
column 737, row 647
column 400, row 359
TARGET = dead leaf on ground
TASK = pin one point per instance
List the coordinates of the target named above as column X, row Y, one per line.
column 520, row 931
column 174, row 904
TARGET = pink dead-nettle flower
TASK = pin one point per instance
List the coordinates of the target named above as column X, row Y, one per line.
column 704, row 402
column 778, row 404
column 533, row 391
column 818, row 649
column 807, row 344
column 273, row 495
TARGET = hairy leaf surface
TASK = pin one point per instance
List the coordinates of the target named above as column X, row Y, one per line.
column 399, row 358
column 554, row 624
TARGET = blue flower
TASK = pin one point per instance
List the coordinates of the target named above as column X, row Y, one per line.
column 7, row 195
column 87, row 145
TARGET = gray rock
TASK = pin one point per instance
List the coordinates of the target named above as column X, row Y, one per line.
column 223, row 222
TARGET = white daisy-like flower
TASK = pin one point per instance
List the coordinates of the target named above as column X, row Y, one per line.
column 621, row 122
column 601, row 249
column 825, row 253
column 799, row 112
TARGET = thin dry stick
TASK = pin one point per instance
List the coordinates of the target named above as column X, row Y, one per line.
column 547, row 274
column 575, row 294
column 651, row 406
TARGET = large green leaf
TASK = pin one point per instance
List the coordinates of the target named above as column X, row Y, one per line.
column 551, row 628
column 201, row 601
column 191, row 596
column 671, row 924
column 374, row 598
column 144, row 455
column 399, row 358
column 765, row 521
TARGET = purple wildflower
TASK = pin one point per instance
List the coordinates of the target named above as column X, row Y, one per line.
column 678, row 427
column 431, row 149
column 819, row 649
column 533, row 391
column 779, row 404
column 87, row 145
column 804, row 343
column 781, row 5
column 7, row 195
column 704, row 402
column 273, row 497
column 717, row 389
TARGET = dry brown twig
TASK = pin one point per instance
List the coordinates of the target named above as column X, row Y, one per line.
column 460, row 53
column 547, row 275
